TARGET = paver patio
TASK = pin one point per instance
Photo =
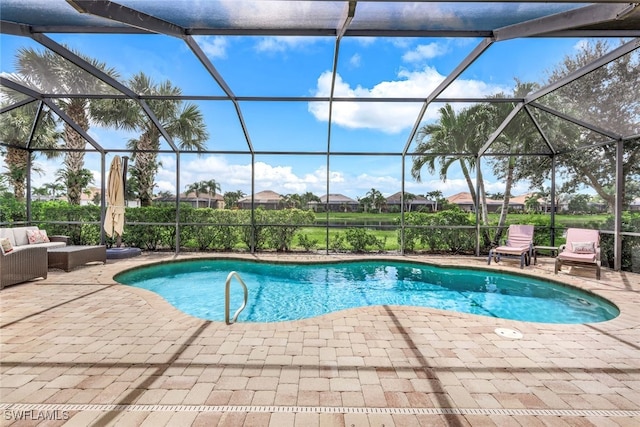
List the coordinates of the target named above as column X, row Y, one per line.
column 80, row 349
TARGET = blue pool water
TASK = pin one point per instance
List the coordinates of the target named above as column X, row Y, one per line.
column 279, row 292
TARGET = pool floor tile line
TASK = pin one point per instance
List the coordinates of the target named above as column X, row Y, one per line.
column 38, row 407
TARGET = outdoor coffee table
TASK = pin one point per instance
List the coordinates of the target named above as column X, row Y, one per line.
column 69, row 257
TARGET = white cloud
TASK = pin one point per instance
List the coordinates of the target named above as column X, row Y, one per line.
column 283, row 44
column 391, row 117
column 424, row 51
column 355, row 60
column 214, row 47
column 284, row 180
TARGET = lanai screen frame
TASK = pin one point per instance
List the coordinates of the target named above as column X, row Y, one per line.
column 600, row 18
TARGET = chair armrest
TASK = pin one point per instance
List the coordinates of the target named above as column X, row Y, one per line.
column 64, row 239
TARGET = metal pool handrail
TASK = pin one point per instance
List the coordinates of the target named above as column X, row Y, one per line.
column 227, row 297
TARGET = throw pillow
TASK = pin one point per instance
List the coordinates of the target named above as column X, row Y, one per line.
column 5, row 245
column 37, row 236
column 583, row 247
column 43, row 233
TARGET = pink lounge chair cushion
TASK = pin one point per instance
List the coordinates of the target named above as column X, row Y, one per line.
column 519, row 240
column 572, row 256
column 511, row 250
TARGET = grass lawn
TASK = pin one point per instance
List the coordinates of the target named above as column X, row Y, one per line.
column 390, row 236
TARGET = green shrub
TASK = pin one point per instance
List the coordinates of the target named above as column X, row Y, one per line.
column 337, row 243
column 307, row 243
column 285, row 224
column 434, row 231
column 630, row 245
column 360, row 239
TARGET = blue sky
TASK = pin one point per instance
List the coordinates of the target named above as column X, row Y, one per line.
column 301, row 66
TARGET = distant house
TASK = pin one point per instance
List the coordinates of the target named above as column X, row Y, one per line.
column 516, row 203
column 335, row 203
column 418, row 203
column 519, row 203
column 263, row 199
column 202, row 200
column 465, row 202
column 635, row 205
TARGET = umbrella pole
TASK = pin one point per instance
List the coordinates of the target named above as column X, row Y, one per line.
column 125, row 162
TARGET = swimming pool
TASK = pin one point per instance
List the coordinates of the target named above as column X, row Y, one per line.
column 284, row 291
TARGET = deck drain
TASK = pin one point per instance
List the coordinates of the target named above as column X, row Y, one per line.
column 14, row 410
column 509, row 333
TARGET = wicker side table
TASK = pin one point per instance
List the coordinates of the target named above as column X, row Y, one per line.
column 69, row 257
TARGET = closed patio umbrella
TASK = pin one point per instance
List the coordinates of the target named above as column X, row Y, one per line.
column 114, row 219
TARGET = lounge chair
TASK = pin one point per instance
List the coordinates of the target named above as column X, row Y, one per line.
column 581, row 250
column 519, row 244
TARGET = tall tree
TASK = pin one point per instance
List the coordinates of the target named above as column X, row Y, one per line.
column 50, row 73
column 376, row 199
column 518, row 137
column 609, row 97
column 15, row 131
column 196, row 188
column 212, row 187
column 182, row 121
column 307, row 198
column 231, row 198
column 455, row 138
column 435, row 195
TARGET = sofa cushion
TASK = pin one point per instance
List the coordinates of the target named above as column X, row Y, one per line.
column 7, row 233
column 20, row 235
column 37, row 236
column 41, row 245
column 5, row 245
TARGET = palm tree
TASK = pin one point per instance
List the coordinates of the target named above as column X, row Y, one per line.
column 376, row 199
column 453, row 134
column 408, row 199
column 15, row 131
column 457, row 134
column 515, row 138
column 54, row 189
column 196, row 187
column 309, row 197
column 51, row 73
column 291, row 201
column 165, row 194
column 531, row 202
column 41, row 192
column 435, row 195
column 183, row 122
column 211, row 187
column 231, row 198
column 73, row 179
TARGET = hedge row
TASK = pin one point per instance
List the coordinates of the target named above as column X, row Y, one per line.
column 153, row 228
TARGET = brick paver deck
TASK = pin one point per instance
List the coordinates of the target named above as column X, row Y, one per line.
column 79, row 349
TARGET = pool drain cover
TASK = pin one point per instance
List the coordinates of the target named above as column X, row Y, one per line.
column 509, row 333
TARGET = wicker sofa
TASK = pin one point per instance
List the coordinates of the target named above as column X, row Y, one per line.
column 26, row 261
column 22, row 265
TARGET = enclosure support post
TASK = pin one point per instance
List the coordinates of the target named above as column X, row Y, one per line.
column 478, row 225
column 552, row 195
column 103, row 202
column 617, row 225
column 252, row 239
column 402, row 206
column 177, row 202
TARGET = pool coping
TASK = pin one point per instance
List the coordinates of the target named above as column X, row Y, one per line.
column 382, row 258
